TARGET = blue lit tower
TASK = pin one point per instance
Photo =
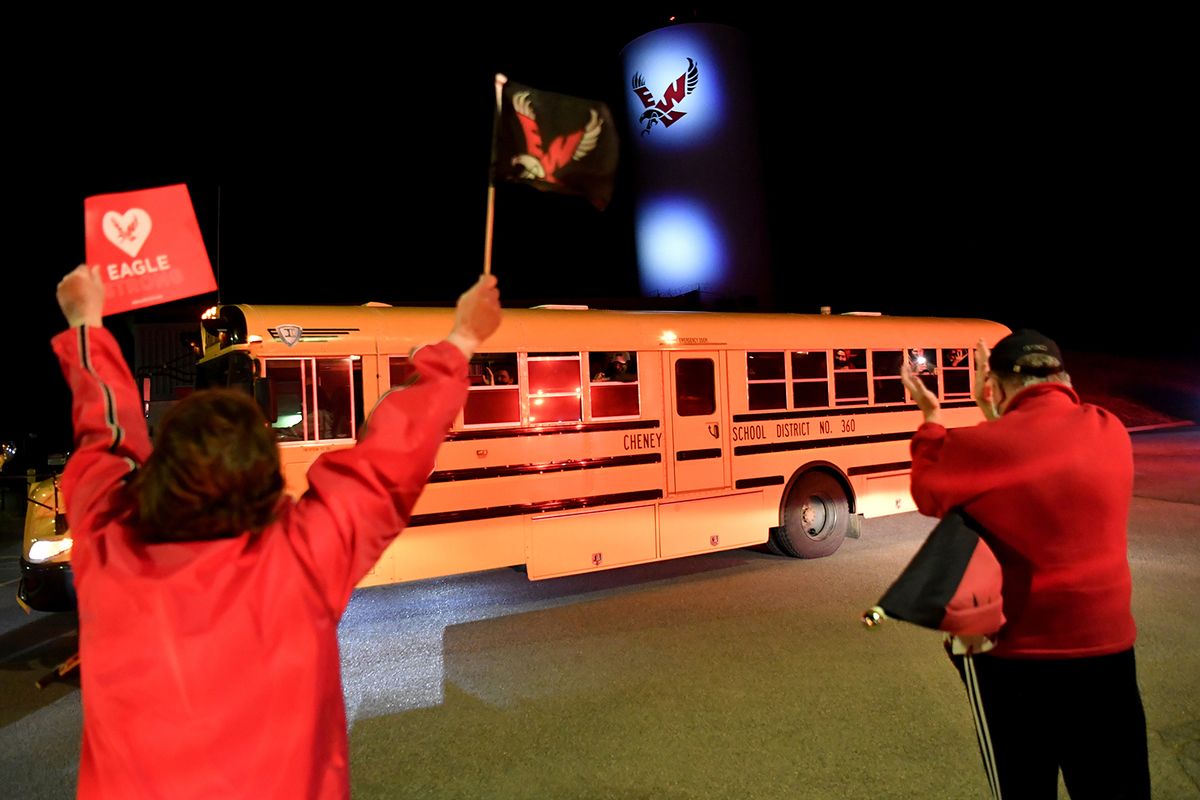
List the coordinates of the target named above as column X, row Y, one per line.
column 699, row 213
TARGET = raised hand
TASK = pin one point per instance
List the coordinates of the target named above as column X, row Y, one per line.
column 985, row 392
column 477, row 315
column 81, row 297
column 926, row 400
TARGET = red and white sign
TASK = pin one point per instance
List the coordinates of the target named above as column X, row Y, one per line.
column 146, row 246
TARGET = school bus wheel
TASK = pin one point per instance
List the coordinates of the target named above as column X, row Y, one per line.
column 816, row 516
column 772, row 543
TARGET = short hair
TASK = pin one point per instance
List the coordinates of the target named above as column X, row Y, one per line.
column 214, row 471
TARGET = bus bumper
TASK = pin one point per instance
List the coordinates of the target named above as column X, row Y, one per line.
column 46, row 587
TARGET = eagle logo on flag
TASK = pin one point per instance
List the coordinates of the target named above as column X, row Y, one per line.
column 555, row 143
column 664, row 110
column 542, row 164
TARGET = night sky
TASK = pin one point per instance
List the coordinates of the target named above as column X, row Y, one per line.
column 1026, row 170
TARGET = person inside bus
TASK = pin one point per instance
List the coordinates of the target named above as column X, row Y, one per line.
column 209, row 601
column 499, row 376
column 847, row 359
column 919, row 363
column 617, row 369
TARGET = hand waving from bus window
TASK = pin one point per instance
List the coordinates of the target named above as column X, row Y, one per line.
column 81, row 297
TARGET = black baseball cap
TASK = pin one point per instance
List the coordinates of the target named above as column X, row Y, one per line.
column 1011, row 351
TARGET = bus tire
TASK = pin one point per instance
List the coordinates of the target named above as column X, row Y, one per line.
column 816, row 516
column 772, row 543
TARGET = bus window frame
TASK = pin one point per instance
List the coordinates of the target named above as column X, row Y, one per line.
column 905, row 398
column 785, row 357
column 460, row 422
column 309, row 405
column 578, row 394
column 945, row 369
column 789, row 380
column 792, row 380
column 607, row 385
column 865, row 370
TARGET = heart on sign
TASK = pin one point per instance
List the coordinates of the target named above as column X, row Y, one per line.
column 127, row 231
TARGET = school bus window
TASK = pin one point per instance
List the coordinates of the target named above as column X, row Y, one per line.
column 314, row 399
column 339, row 397
column 850, row 377
column 956, row 374
column 924, row 363
column 695, row 387
column 493, row 369
column 810, row 379
column 766, row 381
column 289, row 407
column 613, row 388
column 885, row 369
column 849, row 359
column 618, row 366
column 555, row 388
column 493, row 397
column 615, row 400
column 957, row 357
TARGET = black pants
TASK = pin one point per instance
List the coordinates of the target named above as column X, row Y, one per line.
column 1080, row 715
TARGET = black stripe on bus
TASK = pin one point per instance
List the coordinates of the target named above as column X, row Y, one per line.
column 317, row 331
column 812, row 444
column 467, row 514
column 751, row 483
column 477, row 473
column 831, row 412
column 546, row 430
column 698, row 455
column 893, row 467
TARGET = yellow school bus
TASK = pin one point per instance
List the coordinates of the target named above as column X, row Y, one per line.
column 599, row 439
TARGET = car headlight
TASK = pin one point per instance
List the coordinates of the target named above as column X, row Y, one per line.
column 43, row 550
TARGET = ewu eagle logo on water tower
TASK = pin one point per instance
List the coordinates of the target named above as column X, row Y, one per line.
column 665, row 110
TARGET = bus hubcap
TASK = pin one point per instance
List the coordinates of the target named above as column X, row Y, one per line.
column 813, row 516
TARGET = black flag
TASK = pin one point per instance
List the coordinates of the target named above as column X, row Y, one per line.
column 556, row 142
column 952, row 584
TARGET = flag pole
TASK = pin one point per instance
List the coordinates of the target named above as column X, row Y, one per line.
column 491, row 194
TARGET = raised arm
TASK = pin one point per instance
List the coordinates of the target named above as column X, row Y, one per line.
column 110, row 430
column 360, row 498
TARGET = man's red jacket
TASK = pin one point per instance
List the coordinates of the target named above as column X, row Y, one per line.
column 210, row 668
column 1051, row 482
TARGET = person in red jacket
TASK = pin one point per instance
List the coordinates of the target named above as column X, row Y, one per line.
column 1049, row 479
column 208, row 600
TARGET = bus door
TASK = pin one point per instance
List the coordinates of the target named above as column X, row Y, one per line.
column 696, row 411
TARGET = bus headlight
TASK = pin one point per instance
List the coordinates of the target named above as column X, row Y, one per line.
column 45, row 549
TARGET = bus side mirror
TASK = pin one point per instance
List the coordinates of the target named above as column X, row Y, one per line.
column 262, row 396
